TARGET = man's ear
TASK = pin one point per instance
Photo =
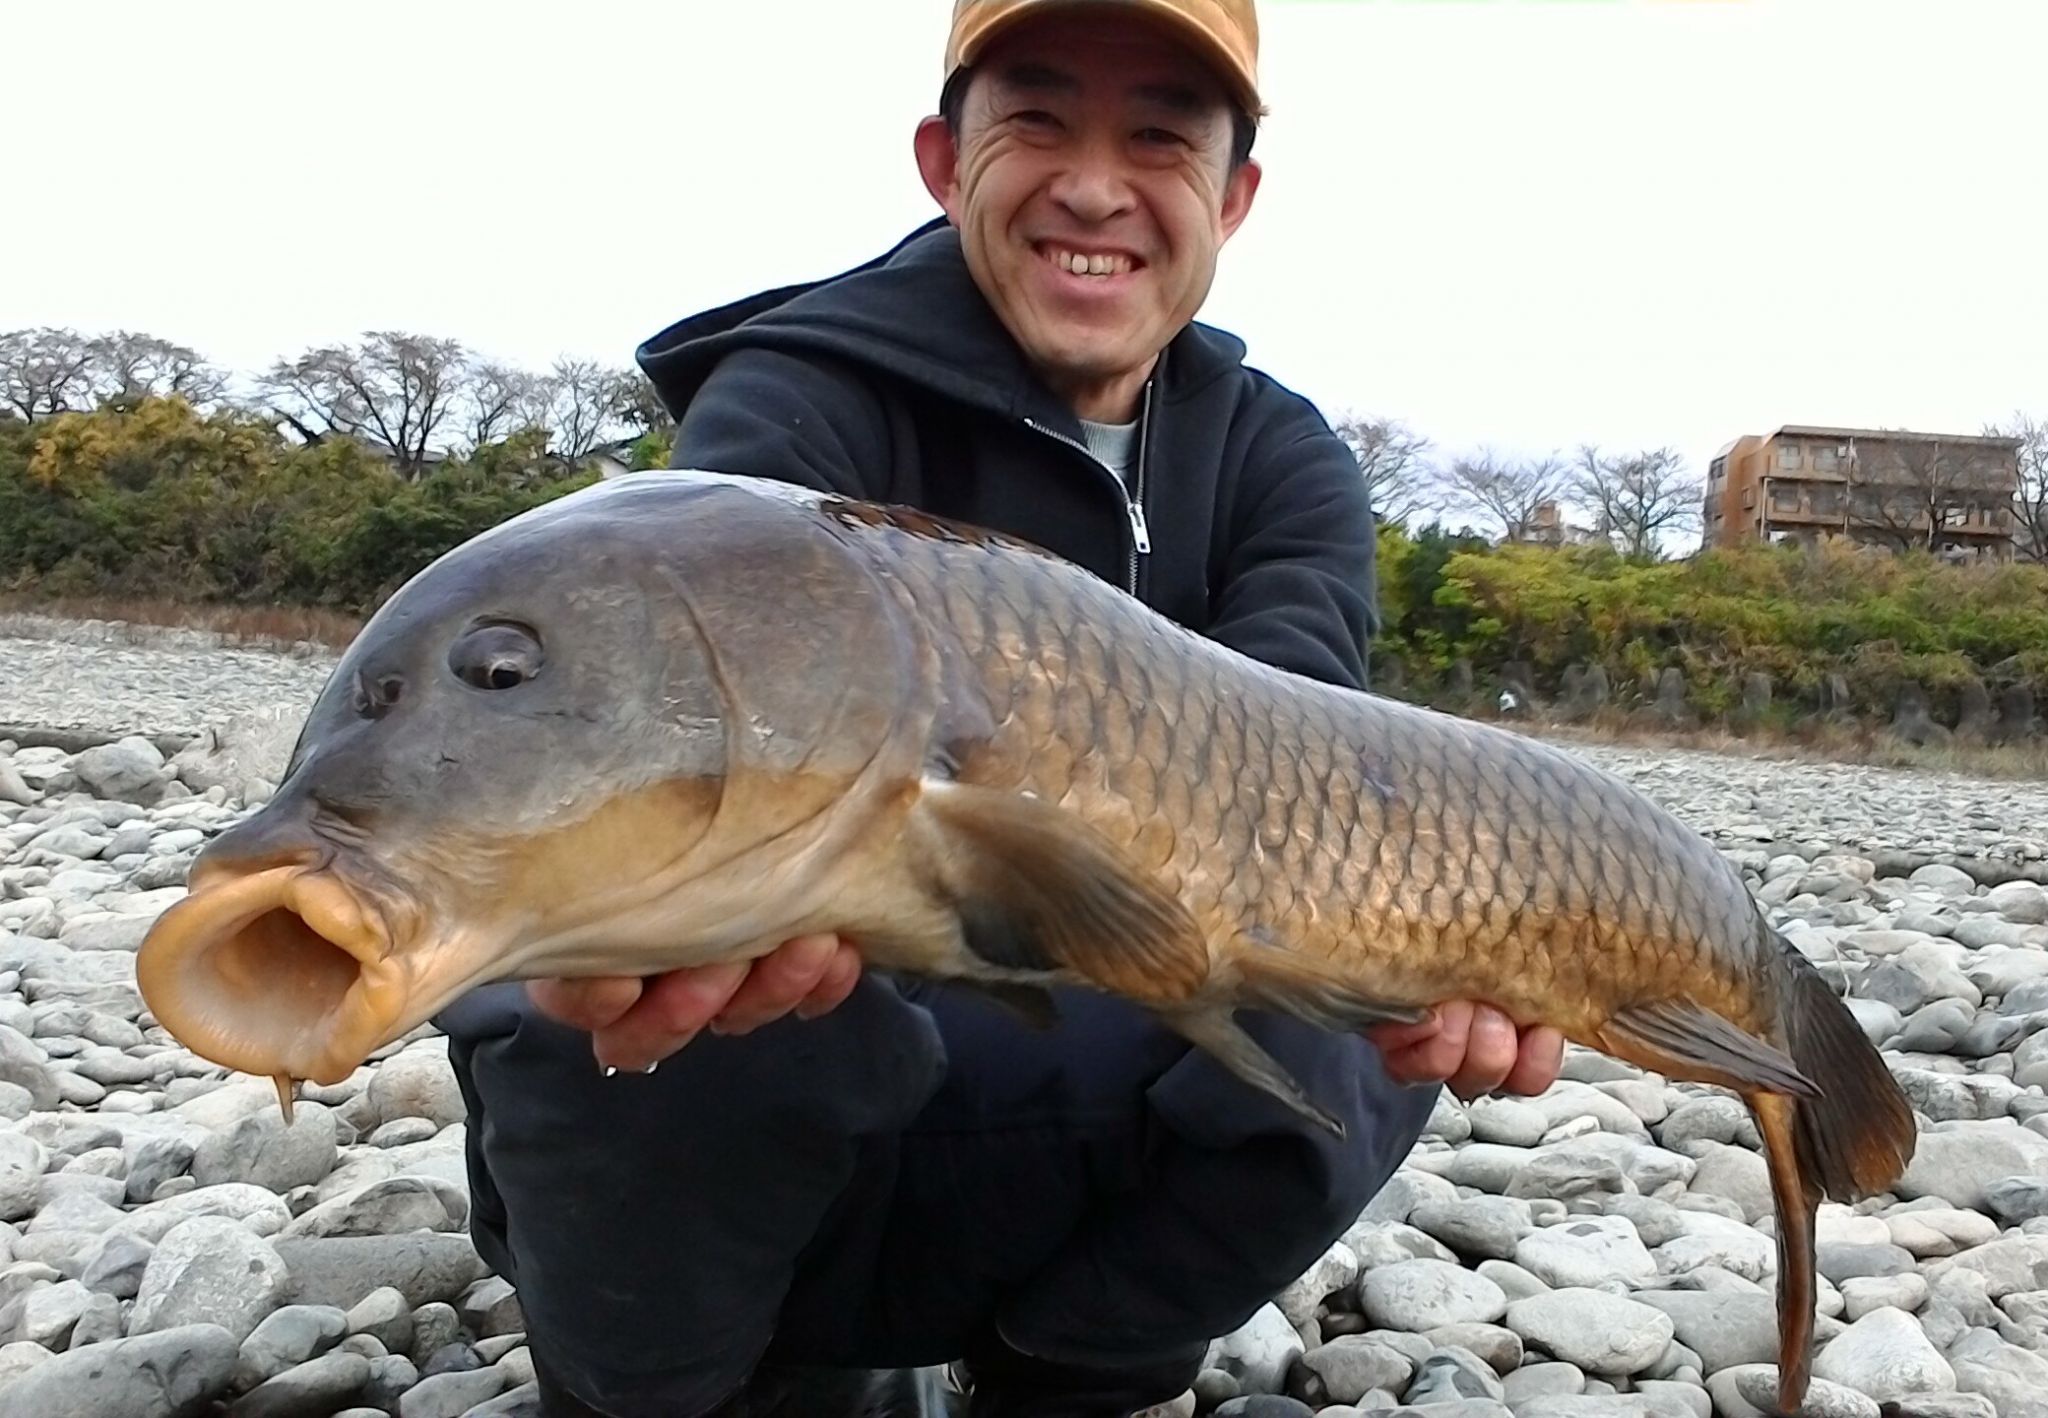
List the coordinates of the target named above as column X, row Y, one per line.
column 1237, row 196
column 938, row 162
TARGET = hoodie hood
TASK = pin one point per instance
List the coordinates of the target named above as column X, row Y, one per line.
column 915, row 313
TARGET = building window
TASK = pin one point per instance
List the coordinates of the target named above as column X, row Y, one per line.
column 1825, row 460
column 1788, row 455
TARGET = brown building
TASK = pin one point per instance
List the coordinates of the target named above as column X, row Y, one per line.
column 1949, row 493
column 1549, row 528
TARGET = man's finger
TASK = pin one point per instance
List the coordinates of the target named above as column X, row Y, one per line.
column 589, row 1003
column 778, row 983
column 1391, row 1038
column 682, row 1002
column 671, row 1011
column 1541, row 1060
column 838, row 983
column 1437, row 1057
column 1492, row 1045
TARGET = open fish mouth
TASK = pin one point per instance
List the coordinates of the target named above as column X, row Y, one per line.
column 283, row 971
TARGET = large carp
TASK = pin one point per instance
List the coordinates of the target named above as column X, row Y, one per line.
column 679, row 718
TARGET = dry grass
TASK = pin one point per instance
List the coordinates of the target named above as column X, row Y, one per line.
column 280, row 626
column 1817, row 741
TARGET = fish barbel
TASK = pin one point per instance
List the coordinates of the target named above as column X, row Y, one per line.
column 679, row 718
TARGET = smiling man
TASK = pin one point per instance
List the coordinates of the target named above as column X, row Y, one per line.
column 845, row 1175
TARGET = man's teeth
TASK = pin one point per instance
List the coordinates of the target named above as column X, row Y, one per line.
column 1084, row 264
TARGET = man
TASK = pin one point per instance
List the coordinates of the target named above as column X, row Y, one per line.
column 844, row 1173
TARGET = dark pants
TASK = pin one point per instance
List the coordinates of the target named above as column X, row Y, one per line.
column 775, row 1223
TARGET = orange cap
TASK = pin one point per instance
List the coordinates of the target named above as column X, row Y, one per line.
column 1226, row 32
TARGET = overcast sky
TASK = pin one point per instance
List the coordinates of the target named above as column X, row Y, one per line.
column 1517, row 223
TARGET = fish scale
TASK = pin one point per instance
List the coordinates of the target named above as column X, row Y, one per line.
column 1264, row 851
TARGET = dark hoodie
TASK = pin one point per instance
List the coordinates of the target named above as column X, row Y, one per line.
column 897, row 381
column 1097, row 1195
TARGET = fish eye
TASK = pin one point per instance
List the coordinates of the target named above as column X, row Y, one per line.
column 498, row 654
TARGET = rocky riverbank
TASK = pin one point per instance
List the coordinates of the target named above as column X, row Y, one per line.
column 169, row 1247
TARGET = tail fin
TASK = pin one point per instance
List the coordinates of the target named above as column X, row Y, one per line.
column 1853, row 1138
column 1857, row 1137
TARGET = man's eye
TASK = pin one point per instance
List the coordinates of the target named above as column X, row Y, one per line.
column 1160, row 135
column 1036, row 118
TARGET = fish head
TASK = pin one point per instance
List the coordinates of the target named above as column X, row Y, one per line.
column 606, row 737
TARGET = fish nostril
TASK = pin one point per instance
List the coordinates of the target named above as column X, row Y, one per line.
column 375, row 694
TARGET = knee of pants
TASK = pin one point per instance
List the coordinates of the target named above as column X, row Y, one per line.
column 652, row 1222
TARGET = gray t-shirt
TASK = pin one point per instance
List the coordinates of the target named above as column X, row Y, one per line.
column 1113, row 445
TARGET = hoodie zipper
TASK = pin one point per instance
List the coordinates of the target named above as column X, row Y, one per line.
column 1133, row 497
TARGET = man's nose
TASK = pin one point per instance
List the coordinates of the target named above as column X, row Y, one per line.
column 1094, row 186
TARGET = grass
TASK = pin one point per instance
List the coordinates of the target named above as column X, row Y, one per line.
column 262, row 626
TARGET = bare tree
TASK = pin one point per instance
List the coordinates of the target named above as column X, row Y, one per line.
column 644, row 408
column 1915, row 493
column 394, row 389
column 501, row 400
column 1391, row 460
column 128, row 365
column 588, row 405
column 1510, row 493
column 2030, row 500
column 1636, row 497
column 45, row 371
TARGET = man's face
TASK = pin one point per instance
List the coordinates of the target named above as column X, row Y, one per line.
column 1090, row 185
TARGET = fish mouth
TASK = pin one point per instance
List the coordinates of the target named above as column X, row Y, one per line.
column 282, row 971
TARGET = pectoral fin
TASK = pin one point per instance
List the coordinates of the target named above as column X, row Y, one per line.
column 1224, row 1039
column 1036, row 889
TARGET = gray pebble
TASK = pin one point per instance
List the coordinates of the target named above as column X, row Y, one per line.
column 1886, row 1355
column 1498, row 1345
column 435, row 1326
column 391, row 1376
column 284, row 1339
column 1352, row 1366
column 174, row 1369
column 208, row 1268
column 450, row 1394
column 309, row 1390
column 384, row 1315
column 1600, row 1333
column 1477, row 1227
column 1724, row 1330
column 1420, row 1295
column 1450, row 1376
column 524, row 1402
column 1262, row 1405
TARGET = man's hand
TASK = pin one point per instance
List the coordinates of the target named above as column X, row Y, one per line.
column 635, row 1023
column 1473, row 1048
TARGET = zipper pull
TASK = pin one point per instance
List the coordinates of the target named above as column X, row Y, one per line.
column 1138, row 528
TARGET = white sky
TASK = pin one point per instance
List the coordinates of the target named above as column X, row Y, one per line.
column 1523, row 223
